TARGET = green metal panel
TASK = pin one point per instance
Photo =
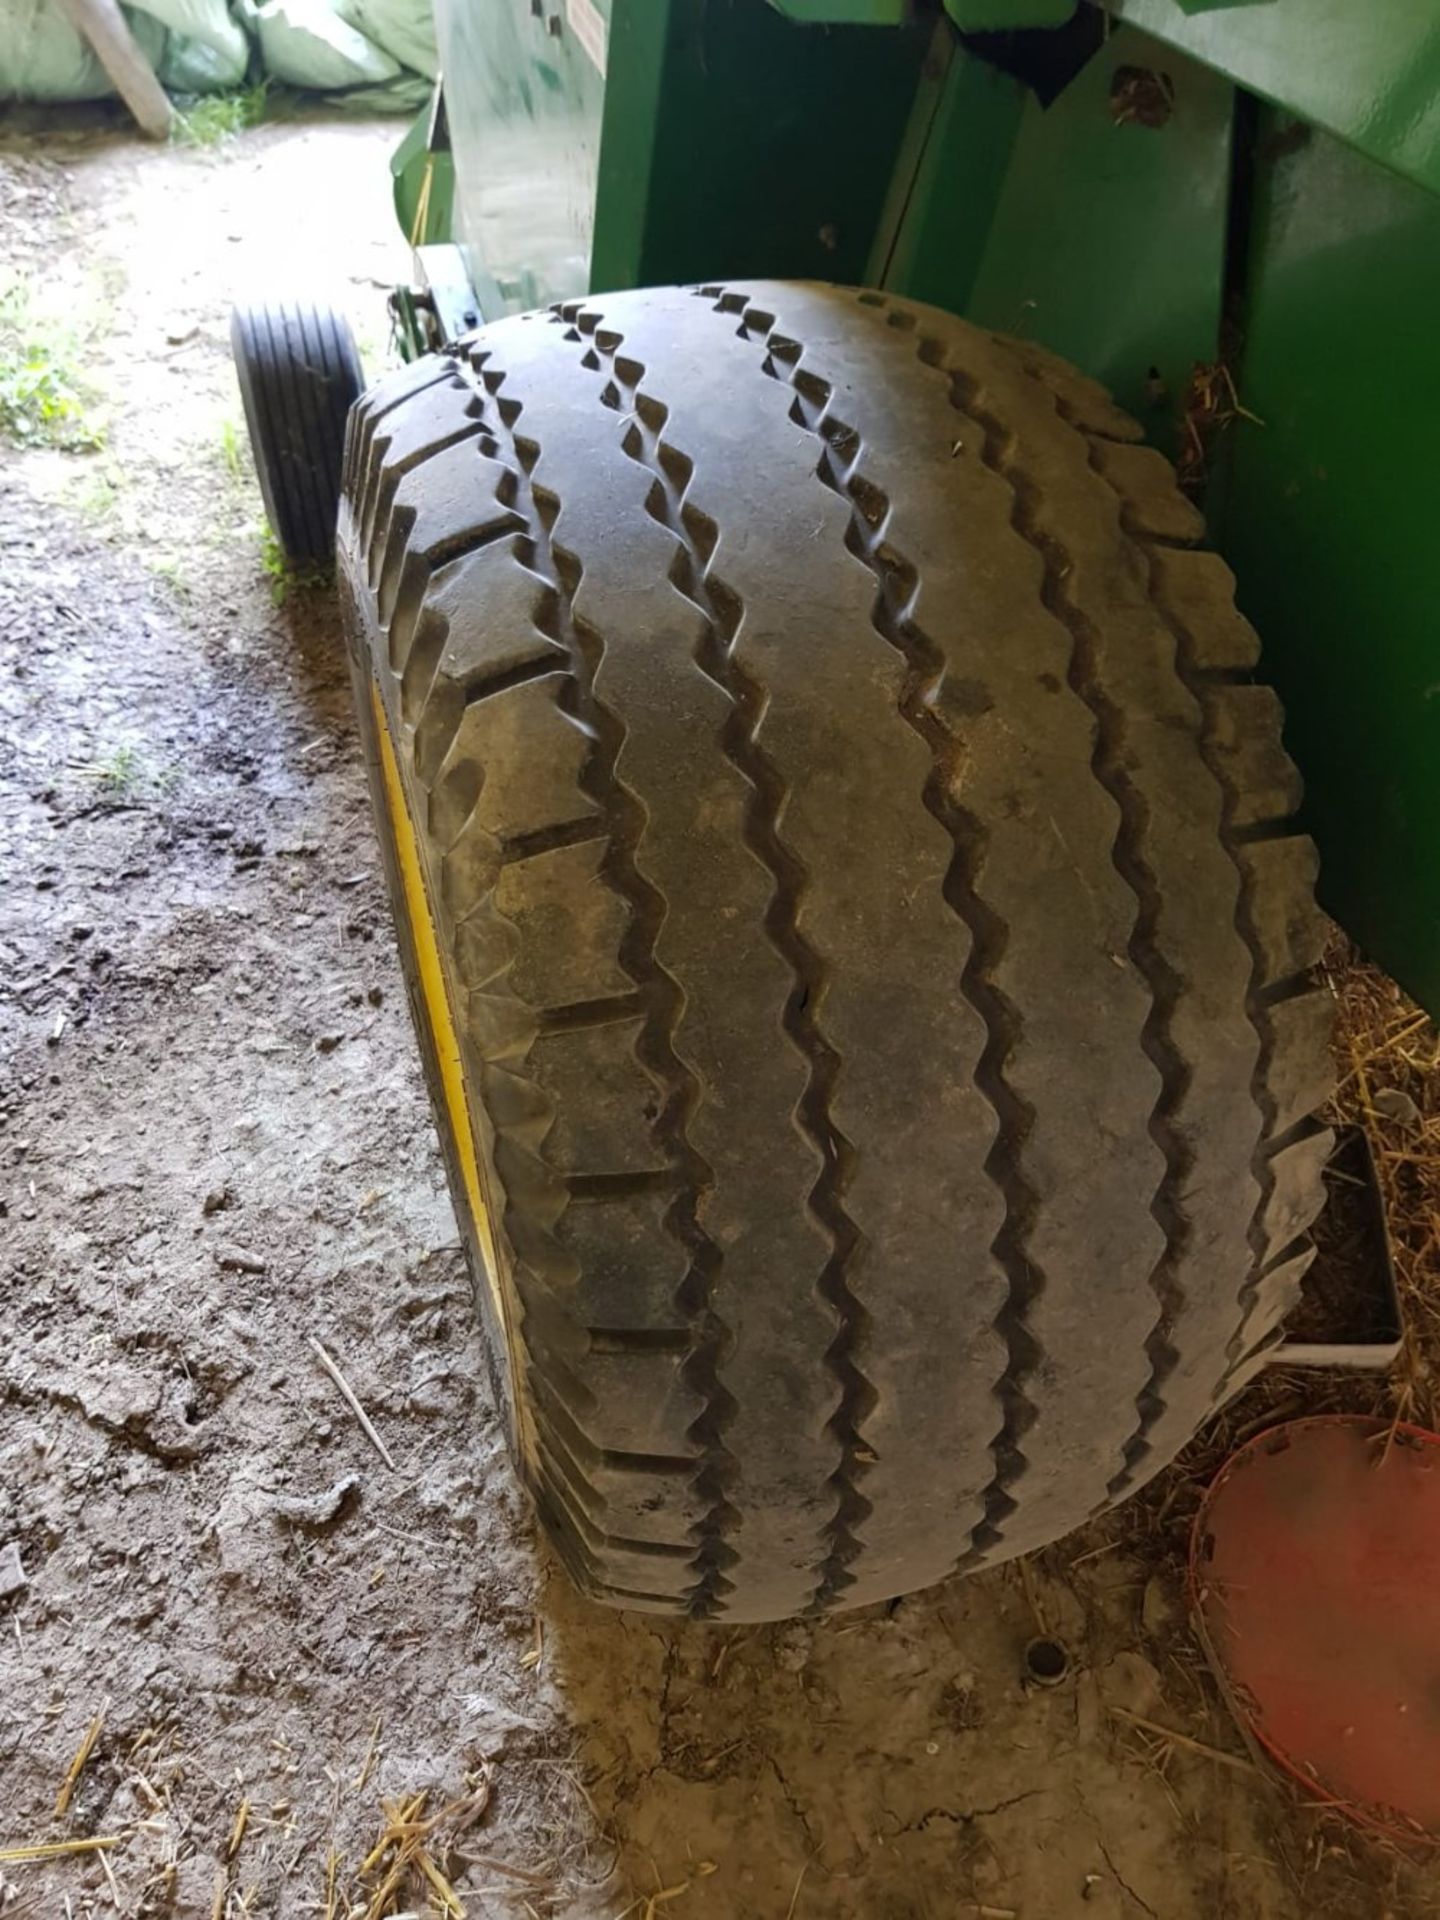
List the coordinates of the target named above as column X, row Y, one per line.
column 1101, row 236
column 963, row 126
column 1367, row 70
column 1330, row 523
column 739, row 142
column 1108, row 240
column 525, row 91
column 639, row 48
column 971, row 15
column 607, row 143
column 850, row 13
column 425, row 213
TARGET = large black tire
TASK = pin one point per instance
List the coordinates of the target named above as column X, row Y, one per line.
column 299, row 375
column 883, row 962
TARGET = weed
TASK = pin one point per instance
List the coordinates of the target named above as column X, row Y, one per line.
column 220, row 116
column 285, row 578
column 230, row 450
column 171, row 569
column 42, row 395
column 98, row 494
column 119, row 774
column 124, row 773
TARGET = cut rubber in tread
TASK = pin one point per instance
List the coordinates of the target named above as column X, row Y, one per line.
column 885, row 964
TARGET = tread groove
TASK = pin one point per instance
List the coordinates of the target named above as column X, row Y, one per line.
column 1294, row 986
column 1295, row 1249
column 308, row 510
column 1308, row 1128
column 564, row 1427
column 458, row 546
column 722, row 612
column 577, row 1015
column 1000, row 454
column 896, row 585
column 569, row 833
column 621, row 1186
column 622, row 1596
column 1175, row 542
column 1233, row 839
column 592, row 1538
column 639, row 1339
column 625, row 818
column 518, row 675
column 1285, row 827
column 1128, row 857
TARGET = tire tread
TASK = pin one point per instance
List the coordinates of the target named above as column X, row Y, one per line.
column 493, row 616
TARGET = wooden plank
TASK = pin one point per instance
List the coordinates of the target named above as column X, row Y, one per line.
column 103, row 25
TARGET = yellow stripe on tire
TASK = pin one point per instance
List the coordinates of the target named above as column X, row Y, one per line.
column 436, row 1000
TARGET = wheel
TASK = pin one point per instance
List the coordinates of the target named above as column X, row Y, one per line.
column 299, row 376
column 865, row 963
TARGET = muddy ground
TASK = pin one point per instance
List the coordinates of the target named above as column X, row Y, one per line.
column 215, row 1150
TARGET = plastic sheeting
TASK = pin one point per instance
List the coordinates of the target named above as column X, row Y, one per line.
column 405, row 31
column 210, row 46
column 305, row 43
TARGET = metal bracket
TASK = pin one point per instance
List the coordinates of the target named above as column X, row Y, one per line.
column 453, row 298
column 1355, row 1326
column 445, row 305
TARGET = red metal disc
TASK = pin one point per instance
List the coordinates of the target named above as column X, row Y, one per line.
column 1315, row 1569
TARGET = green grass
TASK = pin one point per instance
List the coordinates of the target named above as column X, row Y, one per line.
column 286, row 579
column 230, row 450
column 170, row 568
column 120, row 773
column 43, row 396
column 98, row 494
column 220, row 116
column 125, row 773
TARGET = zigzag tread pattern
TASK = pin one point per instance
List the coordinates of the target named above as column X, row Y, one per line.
column 748, row 1275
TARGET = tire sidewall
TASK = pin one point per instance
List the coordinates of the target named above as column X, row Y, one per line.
column 492, row 1335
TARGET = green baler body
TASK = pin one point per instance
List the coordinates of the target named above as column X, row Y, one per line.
column 1246, row 185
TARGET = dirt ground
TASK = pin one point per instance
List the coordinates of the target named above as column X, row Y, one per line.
column 215, row 1150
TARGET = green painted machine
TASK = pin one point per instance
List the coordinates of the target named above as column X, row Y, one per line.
column 1225, row 210
column 860, row 929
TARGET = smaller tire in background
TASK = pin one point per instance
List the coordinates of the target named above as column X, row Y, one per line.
column 299, row 375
